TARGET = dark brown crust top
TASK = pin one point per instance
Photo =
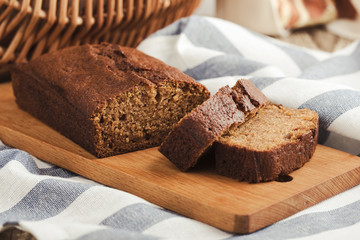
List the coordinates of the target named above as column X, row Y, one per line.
column 190, row 138
column 260, row 166
column 64, row 88
column 249, row 98
column 91, row 74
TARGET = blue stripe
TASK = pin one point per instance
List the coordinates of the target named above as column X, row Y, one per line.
column 302, row 59
column 201, row 33
column 323, row 135
column 336, row 66
column 263, row 82
column 224, row 65
column 115, row 234
column 9, row 154
column 137, row 217
column 3, row 146
column 309, row 224
column 47, row 199
column 343, row 143
column 56, row 172
column 330, row 105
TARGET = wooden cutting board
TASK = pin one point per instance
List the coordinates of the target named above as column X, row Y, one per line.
column 201, row 194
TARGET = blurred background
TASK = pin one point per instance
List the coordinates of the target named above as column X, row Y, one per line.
column 326, row 25
column 29, row 28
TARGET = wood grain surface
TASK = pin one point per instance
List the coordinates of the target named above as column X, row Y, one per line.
column 200, row 194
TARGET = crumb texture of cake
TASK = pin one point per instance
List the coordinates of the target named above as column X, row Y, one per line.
column 275, row 142
column 196, row 132
column 106, row 98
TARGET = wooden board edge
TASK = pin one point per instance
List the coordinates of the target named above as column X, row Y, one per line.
column 322, row 191
column 94, row 170
column 227, row 221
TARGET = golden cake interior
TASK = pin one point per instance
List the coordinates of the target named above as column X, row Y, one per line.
column 272, row 127
column 143, row 117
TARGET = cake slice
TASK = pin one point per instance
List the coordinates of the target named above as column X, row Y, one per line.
column 273, row 143
column 196, row 132
column 106, row 98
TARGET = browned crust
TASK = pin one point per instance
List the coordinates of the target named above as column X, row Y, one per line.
column 48, row 106
column 196, row 132
column 64, row 88
column 260, row 166
column 88, row 75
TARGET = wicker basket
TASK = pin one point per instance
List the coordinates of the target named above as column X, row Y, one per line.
column 29, row 28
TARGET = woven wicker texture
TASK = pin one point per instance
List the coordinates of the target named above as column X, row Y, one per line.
column 29, row 28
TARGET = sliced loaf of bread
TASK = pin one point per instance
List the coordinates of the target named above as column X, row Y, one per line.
column 196, row 132
column 106, row 98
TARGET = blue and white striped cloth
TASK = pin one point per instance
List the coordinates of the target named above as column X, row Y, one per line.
column 53, row 203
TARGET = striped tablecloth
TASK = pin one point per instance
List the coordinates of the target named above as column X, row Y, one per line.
column 53, row 203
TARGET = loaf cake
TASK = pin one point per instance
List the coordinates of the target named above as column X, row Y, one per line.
column 273, row 143
column 196, row 132
column 106, row 98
